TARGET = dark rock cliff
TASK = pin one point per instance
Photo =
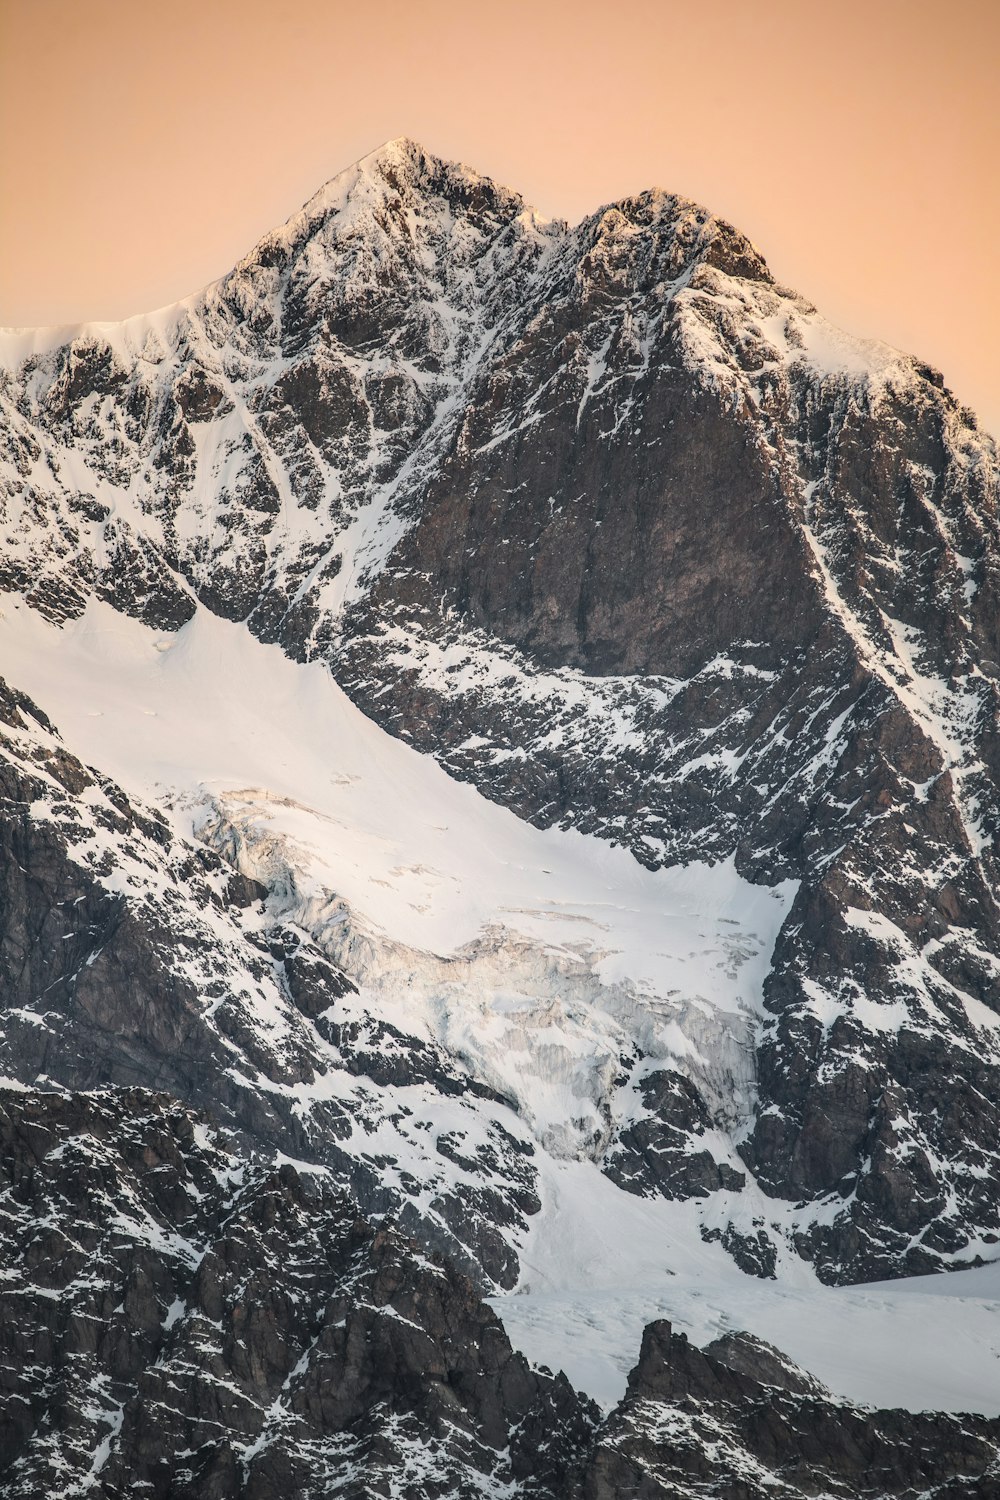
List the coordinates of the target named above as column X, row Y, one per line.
column 736, row 1421
column 177, row 1323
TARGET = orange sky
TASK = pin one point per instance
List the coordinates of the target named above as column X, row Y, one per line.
column 144, row 147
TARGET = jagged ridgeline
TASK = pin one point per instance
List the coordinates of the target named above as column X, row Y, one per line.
column 672, row 963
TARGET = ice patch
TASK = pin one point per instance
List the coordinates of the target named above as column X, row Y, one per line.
column 537, row 957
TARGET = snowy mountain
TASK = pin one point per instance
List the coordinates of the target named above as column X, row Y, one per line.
column 499, row 739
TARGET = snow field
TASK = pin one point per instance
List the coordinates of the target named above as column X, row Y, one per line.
column 534, row 957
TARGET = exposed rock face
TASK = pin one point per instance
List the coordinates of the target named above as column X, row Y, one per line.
column 658, row 1152
column 179, row 1324
column 737, row 1422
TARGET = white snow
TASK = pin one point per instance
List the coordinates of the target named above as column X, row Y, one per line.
column 539, row 956
column 600, row 1265
column 535, row 956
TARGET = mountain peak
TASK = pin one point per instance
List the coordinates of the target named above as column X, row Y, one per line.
column 700, row 235
column 401, row 152
column 384, row 193
column 404, row 167
column 427, row 500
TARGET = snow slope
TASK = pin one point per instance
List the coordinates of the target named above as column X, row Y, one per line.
column 924, row 1343
column 567, row 950
column 535, row 957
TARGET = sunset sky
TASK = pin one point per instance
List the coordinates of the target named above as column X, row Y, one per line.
column 144, row 148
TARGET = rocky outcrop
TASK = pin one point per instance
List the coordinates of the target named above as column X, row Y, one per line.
column 658, row 1152
column 737, row 1421
column 176, row 1321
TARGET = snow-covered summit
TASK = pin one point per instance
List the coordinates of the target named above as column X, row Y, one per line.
column 530, row 697
column 628, row 536
column 397, row 173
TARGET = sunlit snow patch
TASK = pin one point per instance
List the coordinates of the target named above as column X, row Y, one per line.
column 600, row 1265
column 537, row 957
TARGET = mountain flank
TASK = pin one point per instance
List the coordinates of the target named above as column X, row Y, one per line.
column 490, row 705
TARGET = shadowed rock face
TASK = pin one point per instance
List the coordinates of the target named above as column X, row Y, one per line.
column 599, row 509
column 178, row 1322
column 737, row 1421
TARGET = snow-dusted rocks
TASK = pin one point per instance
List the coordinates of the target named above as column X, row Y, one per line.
column 176, row 1322
column 737, row 1420
column 179, row 1323
column 258, row 439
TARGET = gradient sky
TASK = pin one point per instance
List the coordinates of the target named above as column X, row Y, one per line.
column 145, row 147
